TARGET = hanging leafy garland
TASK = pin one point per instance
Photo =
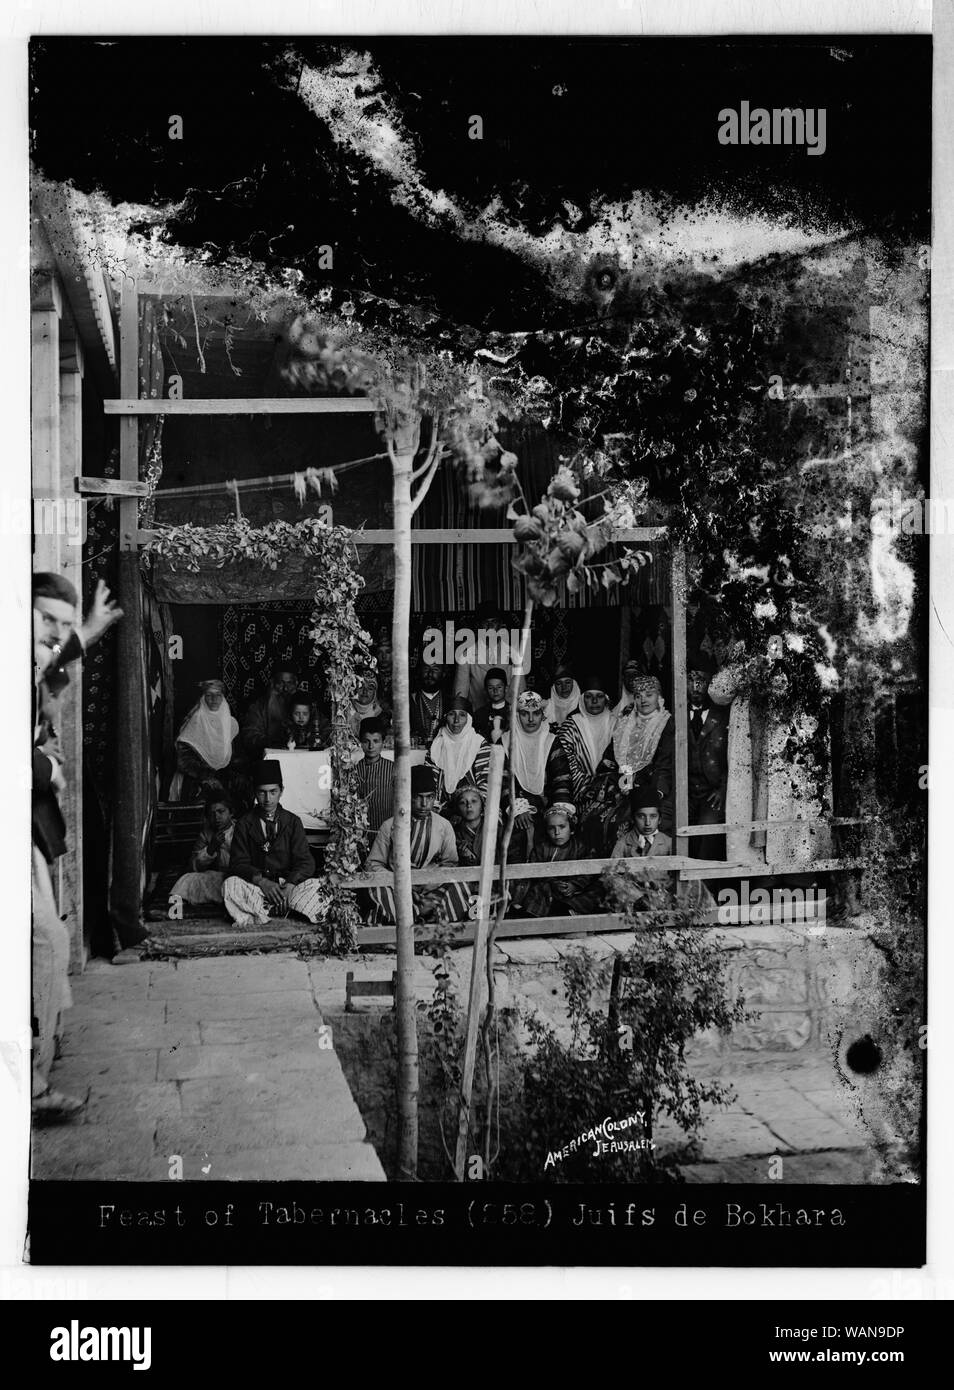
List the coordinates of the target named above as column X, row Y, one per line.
column 336, row 633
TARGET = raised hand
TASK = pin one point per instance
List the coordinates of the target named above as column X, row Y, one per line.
column 101, row 616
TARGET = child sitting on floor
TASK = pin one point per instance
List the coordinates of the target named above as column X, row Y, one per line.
column 209, row 861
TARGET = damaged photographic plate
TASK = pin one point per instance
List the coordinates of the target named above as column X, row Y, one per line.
column 480, row 541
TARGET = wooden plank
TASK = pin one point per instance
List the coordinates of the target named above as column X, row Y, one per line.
column 266, row 405
column 130, row 813
column 680, row 693
column 566, row 868
column 767, row 824
column 69, row 866
column 113, row 487
column 477, row 535
column 819, row 866
column 511, row 929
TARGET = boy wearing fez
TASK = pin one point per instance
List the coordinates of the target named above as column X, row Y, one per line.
column 271, row 870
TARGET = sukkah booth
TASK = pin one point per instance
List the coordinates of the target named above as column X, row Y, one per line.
column 205, row 441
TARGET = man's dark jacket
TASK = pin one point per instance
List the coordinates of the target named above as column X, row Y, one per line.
column 708, row 754
column 49, row 827
column 289, row 857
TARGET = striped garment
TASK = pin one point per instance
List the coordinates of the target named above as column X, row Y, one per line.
column 574, row 747
column 475, row 776
column 246, row 905
column 375, row 782
column 432, row 842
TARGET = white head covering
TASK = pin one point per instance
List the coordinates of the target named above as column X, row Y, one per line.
column 528, row 754
column 636, row 736
column 210, row 732
column 559, row 708
column 371, row 710
column 454, row 754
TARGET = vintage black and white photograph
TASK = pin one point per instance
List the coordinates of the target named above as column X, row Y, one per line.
column 464, row 470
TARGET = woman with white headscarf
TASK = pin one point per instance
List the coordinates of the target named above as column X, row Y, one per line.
column 582, row 767
column 366, row 704
column 204, row 745
column 528, row 746
column 564, row 698
column 459, row 755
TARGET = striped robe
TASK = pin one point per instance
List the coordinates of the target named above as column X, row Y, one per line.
column 375, row 782
column 432, row 842
column 475, row 776
column 582, row 774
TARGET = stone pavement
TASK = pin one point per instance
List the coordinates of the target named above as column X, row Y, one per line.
column 220, row 1060
column 224, row 1062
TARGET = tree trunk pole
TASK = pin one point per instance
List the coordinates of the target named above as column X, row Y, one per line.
column 404, row 441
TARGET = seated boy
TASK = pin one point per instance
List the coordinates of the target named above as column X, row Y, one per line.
column 209, row 862
column 643, row 838
column 432, row 842
column 270, row 867
column 374, row 775
column 492, row 719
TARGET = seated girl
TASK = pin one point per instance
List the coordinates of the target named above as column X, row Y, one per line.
column 557, row 897
column 209, row 862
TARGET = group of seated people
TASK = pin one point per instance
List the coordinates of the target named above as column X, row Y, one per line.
column 215, row 752
column 592, row 779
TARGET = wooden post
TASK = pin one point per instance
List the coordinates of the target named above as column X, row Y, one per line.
column 70, row 565
column 129, row 815
column 680, row 694
column 402, row 446
column 46, row 308
column 478, row 981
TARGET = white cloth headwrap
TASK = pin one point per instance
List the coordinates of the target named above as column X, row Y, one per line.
column 528, row 755
column 371, row 710
column 454, row 754
column 210, row 733
column 636, row 737
column 560, row 708
column 596, row 731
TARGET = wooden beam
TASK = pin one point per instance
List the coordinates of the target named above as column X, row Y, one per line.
column 113, row 487
column 131, row 742
column 69, row 867
column 680, row 694
column 766, row 825
column 248, row 405
column 489, row 535
column 700, row 869
column 510, row 929
column 655, row 865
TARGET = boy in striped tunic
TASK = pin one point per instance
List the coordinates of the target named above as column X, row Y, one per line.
column 374, row 775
